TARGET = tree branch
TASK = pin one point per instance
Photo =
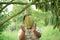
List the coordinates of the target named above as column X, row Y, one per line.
column 19, row 3
column 17, row 13
column 5, row 7
column 14, row 3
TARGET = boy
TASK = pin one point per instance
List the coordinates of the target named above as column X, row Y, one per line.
column 29, row 32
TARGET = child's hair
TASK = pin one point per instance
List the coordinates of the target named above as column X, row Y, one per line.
column 25, row 16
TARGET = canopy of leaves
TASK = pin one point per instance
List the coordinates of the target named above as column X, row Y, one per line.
column 47, row 12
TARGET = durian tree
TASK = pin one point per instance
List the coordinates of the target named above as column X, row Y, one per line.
column 44, row 5
column 50, row 5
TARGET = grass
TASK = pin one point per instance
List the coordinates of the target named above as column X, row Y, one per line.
column 47, row 34
column 8, row 35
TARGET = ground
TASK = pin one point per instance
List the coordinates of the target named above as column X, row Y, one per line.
column 47, row 34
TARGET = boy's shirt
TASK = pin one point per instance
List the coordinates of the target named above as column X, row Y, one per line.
column 29, row 35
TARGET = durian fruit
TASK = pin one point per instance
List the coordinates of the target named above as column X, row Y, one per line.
column 28, row 22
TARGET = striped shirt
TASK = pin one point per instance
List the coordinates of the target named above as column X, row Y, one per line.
column 29, row 35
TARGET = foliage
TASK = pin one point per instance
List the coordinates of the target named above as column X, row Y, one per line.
column 45, row 5
column 47, row 13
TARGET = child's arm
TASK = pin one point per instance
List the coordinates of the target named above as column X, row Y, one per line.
column 37, row 34
column 22, row 34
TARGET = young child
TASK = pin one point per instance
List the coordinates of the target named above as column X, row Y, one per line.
column 28, row 30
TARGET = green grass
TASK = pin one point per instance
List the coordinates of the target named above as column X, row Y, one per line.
column 47, row 34
column 8, row 35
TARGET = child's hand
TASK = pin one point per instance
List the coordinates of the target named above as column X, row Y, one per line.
column 34, row 28
column 23, row 29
